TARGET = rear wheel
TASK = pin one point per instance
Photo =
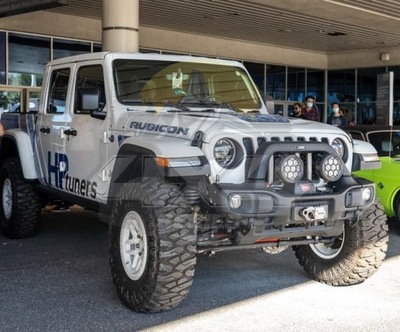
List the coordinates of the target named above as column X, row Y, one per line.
column 20, row 206
column 152, row 246
column 351, row 257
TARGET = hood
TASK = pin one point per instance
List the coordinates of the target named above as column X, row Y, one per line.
column 187, row 124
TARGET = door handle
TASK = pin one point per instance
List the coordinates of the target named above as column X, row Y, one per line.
column 70, row 132
column 45, row 130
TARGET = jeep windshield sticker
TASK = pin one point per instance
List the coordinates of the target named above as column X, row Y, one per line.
column 159, row 128
column 261, row 117
column 59, row 173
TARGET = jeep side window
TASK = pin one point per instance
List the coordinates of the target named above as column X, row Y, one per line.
column 89, row 90
column 58, row 91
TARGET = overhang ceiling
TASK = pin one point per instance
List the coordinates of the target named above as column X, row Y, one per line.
column 318, row 25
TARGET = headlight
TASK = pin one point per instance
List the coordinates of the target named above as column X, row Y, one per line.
column 225, row 152
column 330, row 167
column 290, row 169
column 338, row 146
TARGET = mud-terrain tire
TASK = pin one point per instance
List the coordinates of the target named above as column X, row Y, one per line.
column 20, row 204
column 352, row 257
column 396, row 208
column 152, row 246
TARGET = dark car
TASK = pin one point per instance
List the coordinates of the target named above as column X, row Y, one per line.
column 386, row 140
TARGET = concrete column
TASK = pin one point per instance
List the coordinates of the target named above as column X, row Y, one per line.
column 120, row 25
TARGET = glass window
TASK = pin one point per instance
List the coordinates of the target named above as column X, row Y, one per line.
column 97, row 47
column 341, row 89
column 366, row 83
column 356, row 135
column 63, row 48
column 396, row 94
column 256, row 71
column 276, row 82
column 58, row 90
column 10, row 101
column 396, row 113
column 315, row 88
column 33, row 100
column 341, row 86
column 89, row 82
column 315, row 84
column 3, row 42
column 28, row 56
column 296, row 84
column 386, row 143
column 366, row 89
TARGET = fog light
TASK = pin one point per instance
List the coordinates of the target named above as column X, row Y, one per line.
column 366, row 194
column 330, row 167
column 235, row 201
column 290, row 169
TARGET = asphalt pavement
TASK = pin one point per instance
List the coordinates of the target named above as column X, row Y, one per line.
column 60, row 280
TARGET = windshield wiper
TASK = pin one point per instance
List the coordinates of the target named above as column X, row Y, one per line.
column 177, row 108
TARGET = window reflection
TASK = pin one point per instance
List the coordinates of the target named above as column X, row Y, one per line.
column 296, row 84
column 2, row 57
column 366, row 94
column 315, row 88
column 63, row 48
column 256, row 71
column 276, row 81
column 341, row 89
column 10, row 101
column 28, row 56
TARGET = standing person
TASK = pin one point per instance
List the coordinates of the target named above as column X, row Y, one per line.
column 337, row 119
column 298, row 111
column 348, row 114
column 311, row 112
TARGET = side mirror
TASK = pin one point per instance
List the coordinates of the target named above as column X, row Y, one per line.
column 270, row 104
column 98, row 114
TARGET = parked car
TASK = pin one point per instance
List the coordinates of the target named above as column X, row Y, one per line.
column 386, row 140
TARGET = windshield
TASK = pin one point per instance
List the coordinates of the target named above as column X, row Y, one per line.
column 184, row 85
column 386, row 143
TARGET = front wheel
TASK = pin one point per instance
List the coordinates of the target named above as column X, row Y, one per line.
column 20, row 206
column 351, row 257
column 152, row 246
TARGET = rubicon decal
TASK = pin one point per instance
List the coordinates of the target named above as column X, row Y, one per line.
column 159, row 128
column 59, row 177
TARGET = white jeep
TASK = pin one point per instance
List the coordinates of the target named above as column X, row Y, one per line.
column 184, row 157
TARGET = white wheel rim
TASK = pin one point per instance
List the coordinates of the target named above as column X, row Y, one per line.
column 7, row 198
column 133, row 245
column 327, row 250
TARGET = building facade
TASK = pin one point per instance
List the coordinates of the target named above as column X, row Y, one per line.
column 28, row 42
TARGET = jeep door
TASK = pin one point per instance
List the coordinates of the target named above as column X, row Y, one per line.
column 86, row 135
column 51, row 119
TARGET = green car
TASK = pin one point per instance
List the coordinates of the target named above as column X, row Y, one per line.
column 386, row 140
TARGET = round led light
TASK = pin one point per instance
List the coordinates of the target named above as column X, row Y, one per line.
column 330, row 167
column 366, row 194
column 224, row 152
column 290, row 169
column 338, row 146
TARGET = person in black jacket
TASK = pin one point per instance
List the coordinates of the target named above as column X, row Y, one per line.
column 337, row 119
